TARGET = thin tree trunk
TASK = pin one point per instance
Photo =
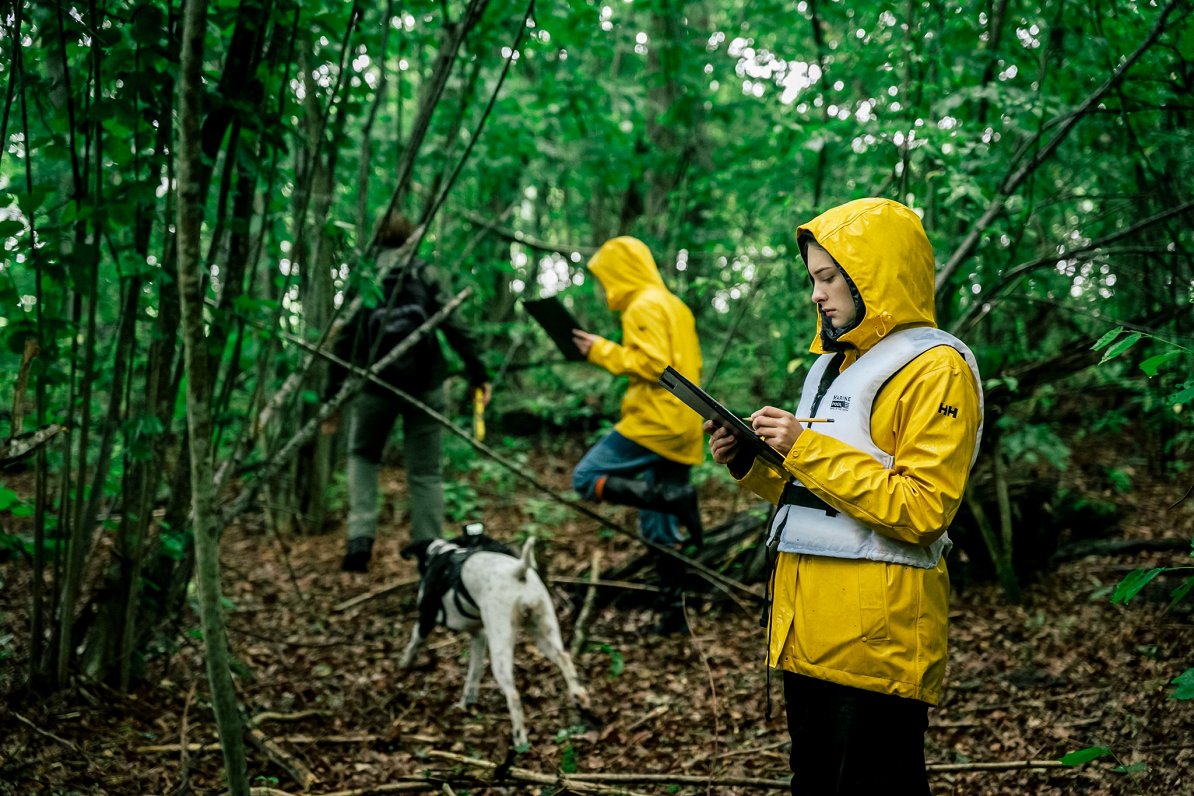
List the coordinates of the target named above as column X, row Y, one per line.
column 190, row 218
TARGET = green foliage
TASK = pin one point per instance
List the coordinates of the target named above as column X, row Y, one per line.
column 1132, row 584
column 1033, row 443
column 1084, row 756
column 617, row 664
column 12, row 504
column 461, row 501
column 545, row 516
column 1121, row 479
column 568, row 755
column 1185, row 685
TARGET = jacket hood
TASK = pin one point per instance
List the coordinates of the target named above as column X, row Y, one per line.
column 882, row 247
column 624, row 266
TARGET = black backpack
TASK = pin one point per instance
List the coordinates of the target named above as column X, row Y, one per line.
column 391, row 322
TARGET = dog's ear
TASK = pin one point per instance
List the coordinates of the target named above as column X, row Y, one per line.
column 416, row 549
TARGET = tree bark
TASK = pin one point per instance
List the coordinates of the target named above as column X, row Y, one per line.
column 190, row 219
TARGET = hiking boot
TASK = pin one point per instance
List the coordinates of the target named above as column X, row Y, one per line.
column 679, row 500
column 360, row 551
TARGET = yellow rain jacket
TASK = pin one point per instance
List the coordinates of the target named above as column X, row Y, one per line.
column 866, row 624
column 657, row 330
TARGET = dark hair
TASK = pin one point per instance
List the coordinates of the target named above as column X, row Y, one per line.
column 395, row 230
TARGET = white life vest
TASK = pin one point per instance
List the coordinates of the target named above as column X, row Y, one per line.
column 806, row 524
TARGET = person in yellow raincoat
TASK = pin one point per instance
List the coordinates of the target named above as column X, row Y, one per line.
column 645, row 461
column 860, row 590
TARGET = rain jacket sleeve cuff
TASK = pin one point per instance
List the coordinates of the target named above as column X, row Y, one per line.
column 764, row 481
column 601, row 352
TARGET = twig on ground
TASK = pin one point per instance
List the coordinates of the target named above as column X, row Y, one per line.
column 154, row 749
column 942, row 768
column 579, row 631
column 297, row 770
column 610, row 584
column 754, row 749
column 184, row 760
column 301, row 715
column 380, row 591
column 708, row 672
column 653, row 714
column 566, row 781
column 73, row 747
column 608, row 783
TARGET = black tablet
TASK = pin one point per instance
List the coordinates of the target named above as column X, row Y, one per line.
column 700, row 402
column 558, row 322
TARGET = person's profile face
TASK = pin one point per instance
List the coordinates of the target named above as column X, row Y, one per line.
column 831, row 292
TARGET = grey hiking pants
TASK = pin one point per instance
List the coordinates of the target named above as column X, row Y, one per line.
column 372, row 420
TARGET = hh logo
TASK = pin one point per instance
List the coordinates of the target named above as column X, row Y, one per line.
column 840, row 402
column 948, row 411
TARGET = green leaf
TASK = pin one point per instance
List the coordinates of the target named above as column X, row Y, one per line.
column 568, row 760
column 1179, row 594
column 1185, row 685
column 1106, row 339
column 1122, row 346
column 1151, row 365
column 1135, row 768
column 1183, row 394
column 1132, row 583
column 10, row 227
column 1084, row 756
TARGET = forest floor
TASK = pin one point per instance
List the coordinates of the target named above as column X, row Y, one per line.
column 1063, row 670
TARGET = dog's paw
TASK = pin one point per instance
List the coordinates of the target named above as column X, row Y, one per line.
column 582, row 698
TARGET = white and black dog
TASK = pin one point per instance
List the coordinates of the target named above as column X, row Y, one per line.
column 471, row 585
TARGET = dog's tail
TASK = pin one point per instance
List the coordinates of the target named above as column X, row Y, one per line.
column 527, row 559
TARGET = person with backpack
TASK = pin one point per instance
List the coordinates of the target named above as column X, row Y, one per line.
column 409, row 296
column 860, row 590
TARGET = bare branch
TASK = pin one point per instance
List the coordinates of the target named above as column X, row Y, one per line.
column 1015, row 179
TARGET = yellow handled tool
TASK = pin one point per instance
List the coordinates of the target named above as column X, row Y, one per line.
column 479, row 414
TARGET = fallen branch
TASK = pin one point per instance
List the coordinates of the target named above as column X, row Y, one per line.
column 579, row 633
column 424, row 786
column 237, row 505
column 607, row 783
column 611, row 584
column 380, row 591
column 298, row 771
column 165, row 748
column 46, row 733
column 566, row 781
column 711, row 575
column 652, row 714
column 1110, row 547
column 25, row 444
column 265, row 716
column 1011, row 765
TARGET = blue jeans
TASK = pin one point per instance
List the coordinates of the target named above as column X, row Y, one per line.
column 618, row 456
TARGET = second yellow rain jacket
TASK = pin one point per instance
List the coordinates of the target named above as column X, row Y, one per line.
column 868, row 624
column 657, row 330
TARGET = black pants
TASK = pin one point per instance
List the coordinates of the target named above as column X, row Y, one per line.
column 847, row 741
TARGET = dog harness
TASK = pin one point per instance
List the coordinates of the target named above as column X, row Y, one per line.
column 806, row 524
column 443, row 575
